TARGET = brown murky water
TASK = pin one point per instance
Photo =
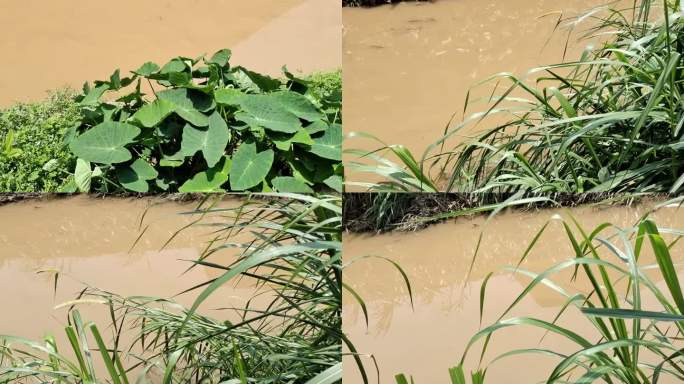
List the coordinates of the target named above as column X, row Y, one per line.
column 426, row 341
column 50, row 44
column 408, row 67
column 89, row 242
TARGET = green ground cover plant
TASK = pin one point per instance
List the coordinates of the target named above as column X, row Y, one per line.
column 33, row 157
column 611, row 121
column 294, row 259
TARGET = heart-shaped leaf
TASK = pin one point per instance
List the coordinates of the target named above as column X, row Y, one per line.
column 189, row 104
column 175, row 65
column 298, row 105
column 290, row 184
column 212, row 141
column 220, row 58
column 285, row 141
column 252, row 81
column 210, row 180
column 83, row 175
column 335, row 182
column 266, row 111
column 147, row 69
column 135, row 177
column 154, row 113
column 228, row 96
column 105, row 143
column 249, row 167
column 316, row 127
column 329, row 146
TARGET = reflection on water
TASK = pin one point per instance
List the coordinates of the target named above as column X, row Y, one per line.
column 426, row 341
column 408, row 67
column 49, row 44
column 89, row 241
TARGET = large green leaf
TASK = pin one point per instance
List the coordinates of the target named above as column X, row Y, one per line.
column 174, row 66
column 220, row 58
column 249, row 167
column 266, row 111
column 135, row 177
column 299, row 105
column 189, row 104
column 210, row 180
column 105, row 143
column 211, row 142
column 252, row 81
column 147, row 69
column 92, row 98
column 335, row 182
column 83, row 175
column 329, row 146
column 150, row 115
column 228, row 96
column 284, row 142
column 290, row 184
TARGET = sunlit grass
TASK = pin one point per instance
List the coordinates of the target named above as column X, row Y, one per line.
column 288, row 245
column 609, row 121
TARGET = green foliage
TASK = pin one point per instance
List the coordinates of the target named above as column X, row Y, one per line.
column 289, row 245
column 634, row 304
column 629, row 330
column 609, row 122
column 210, row 127
column 33, row 156
column 26, row 361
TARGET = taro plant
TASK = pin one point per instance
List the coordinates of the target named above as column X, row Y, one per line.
column 201, row 125
column 610, row 121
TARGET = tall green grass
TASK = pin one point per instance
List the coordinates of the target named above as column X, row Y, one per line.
column 288, row 245
column 630, row 341
column 611, row 121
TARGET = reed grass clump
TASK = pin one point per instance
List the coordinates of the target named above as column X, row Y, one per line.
column 293, row 256
column 636, row 322
column 611, row 121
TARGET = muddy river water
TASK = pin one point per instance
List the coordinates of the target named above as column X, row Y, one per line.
column 89, row 241
column 408, row 67
column 427, row 340
column 50, row 44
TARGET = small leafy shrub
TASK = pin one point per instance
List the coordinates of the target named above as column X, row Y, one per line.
column 209, row 127
column 33, row 156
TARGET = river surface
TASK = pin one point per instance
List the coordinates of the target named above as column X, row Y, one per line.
column 50, row 44
column 90, row 242
column 409, row 66
column 429, row 339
